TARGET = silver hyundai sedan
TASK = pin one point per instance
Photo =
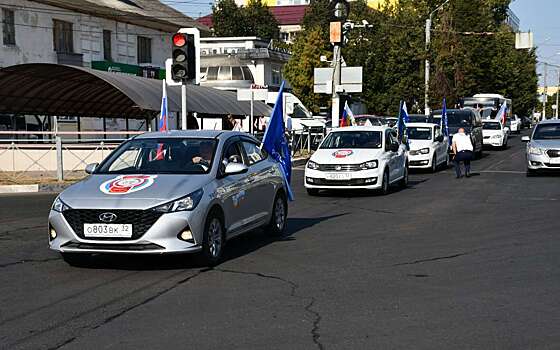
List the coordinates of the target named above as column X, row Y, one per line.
column 170, row 192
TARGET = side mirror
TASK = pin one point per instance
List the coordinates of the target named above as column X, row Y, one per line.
column 90, row 168
column 235, row 168
column 439, row 138
column 526, row 139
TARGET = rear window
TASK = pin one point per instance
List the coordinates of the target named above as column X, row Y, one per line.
column 418, row 133
column 459, row 118
column 352, row 139
column 491, row 126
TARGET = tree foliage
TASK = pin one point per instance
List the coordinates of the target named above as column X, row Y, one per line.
column 255, row 19
column 464, row 60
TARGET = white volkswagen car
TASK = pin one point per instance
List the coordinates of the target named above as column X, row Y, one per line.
column 494, row 134
column 358, row 157
column 428, row 146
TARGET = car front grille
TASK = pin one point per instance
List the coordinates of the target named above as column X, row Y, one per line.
column 553, row 153
column 141, row 221
column 339, row 167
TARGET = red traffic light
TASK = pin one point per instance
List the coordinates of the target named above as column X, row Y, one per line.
column 179, row 39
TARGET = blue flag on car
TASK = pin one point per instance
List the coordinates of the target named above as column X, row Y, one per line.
column 275, row 143
column 403, row 119
column 443, row 123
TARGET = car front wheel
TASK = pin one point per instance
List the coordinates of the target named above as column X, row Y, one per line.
column 385, row 182
column 214, row 240
column 404, row 181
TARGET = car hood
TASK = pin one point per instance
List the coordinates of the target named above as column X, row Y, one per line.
column 345, row 155
column 555, row 144
column 130, row 191
column 419, row 144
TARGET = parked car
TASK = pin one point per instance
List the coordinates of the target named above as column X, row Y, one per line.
column 526, row 122
column 468, row 119
column 417, row 118
column 494, row 133
column 171, row 192
column 358, row 157
column 428, row 146
column 543, row 147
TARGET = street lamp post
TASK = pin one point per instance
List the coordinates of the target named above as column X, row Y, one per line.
column 427, row 63
column 341, row 10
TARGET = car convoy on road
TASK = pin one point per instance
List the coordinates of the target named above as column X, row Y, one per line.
column 191, row 191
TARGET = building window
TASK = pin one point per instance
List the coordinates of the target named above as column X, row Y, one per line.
column 212, row 73
column 63, row 36
column 276, row 76
column 8, row 27
column 144, row 50
column 107, row 45
column 247, row 74
column 236, row 73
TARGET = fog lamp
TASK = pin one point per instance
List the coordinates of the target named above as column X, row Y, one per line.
column 52, row 233
column 186, row 235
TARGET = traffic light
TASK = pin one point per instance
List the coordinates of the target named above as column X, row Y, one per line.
column 183, row 67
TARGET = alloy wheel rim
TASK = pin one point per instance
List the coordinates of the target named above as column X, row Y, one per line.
column 279, row 214
column 215, row 238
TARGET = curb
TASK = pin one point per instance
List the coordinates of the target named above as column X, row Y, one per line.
column 56, row 188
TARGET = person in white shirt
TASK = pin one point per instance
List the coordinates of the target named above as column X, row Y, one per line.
column 463, row 152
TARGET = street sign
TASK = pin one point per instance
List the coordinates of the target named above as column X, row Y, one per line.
column 351, row 80
column 524, row 40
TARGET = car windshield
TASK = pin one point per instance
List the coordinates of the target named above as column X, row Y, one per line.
column 459, row 119
column 547, row 132
column 491, row 126
column 352, row 139
column 488, row 113
column 416, row 118
column 161, row 156
column 418, row 133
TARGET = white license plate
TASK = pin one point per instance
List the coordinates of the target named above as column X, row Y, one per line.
column 108, row 230
column 338, row 176
column 554, row 160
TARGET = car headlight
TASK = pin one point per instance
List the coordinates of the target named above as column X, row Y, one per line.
column 497, row 136
column 535, row 151
column 372, row 164
column 312, row 165
column 182, row 204
column 424, row 151
column 59, row 206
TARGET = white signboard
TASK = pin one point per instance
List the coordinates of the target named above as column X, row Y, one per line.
column 524, row 40
column 258, row 94
column 350, row 79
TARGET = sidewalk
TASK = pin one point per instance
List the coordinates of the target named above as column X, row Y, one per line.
column 34, row 182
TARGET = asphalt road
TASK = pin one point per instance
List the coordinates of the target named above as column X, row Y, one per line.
column 444, row 264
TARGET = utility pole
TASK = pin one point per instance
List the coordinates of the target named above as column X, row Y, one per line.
column 335, row 110
column 545, row 95
column 341, row 11
column 427, row 62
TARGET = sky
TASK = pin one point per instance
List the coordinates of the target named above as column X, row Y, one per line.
column 538, row 16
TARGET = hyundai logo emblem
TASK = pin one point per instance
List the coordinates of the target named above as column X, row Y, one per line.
column 108, row 217
column 338, row 168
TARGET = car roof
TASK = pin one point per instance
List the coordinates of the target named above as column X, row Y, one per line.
column 206, row 134
column 421, row 125
column 363, row 128
column 491, row 121
column 550, row 121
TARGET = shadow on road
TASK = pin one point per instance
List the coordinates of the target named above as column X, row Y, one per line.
column 237, row 247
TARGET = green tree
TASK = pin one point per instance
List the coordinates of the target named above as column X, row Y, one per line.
column 253, row 20
column 227, row 18
column 307, row 50
column 258, row 21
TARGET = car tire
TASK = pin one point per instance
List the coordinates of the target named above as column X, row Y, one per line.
column 213, row 241
column 279, row 217
column 312, row 191
column 404, row 182
column 434, row 163
column 385, row 186
column 75, row 259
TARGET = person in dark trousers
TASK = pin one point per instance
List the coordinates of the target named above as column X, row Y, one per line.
column 463, row 152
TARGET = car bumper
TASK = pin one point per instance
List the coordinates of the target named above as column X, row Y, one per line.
column 366, row 179
column 161, row 238
column 541, row 162
column 493, row 142
column 422, row 161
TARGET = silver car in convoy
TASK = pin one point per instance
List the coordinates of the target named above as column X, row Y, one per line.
column 543, row 147
column 170, row 192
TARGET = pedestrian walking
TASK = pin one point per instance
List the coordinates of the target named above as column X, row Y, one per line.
column 462, row 152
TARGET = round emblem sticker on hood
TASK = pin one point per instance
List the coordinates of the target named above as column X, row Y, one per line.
column 125, row 184
column 343, row 153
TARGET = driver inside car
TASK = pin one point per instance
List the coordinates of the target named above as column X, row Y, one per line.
column 204, row 159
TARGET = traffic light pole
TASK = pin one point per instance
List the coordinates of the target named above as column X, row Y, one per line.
column 184, row 105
